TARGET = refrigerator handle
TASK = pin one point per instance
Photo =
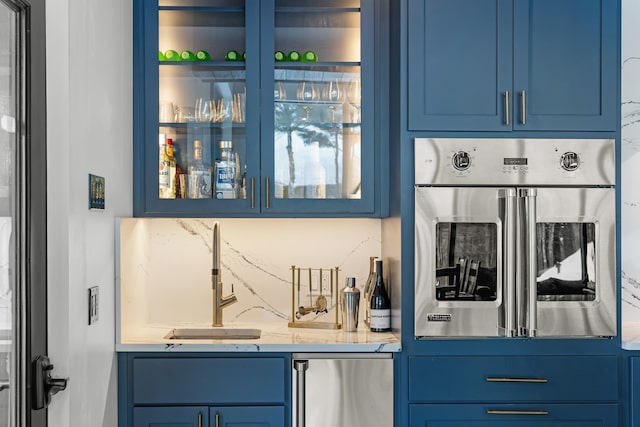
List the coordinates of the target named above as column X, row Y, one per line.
column 509, row 267
column 301, row 367
column 529, row 284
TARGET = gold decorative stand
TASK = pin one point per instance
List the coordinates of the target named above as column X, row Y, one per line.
column 321, row 297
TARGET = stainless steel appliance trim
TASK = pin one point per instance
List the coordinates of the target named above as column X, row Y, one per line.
column 342, row 356
column 301, row 367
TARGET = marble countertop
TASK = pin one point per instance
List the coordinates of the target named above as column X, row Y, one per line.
column 275, row 337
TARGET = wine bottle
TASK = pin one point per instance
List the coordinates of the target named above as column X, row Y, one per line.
column 199, row 174
column 368, row 289
column 232, row 55
column 172, row 55
column 380, row 304
column 203, row 55
column 187, row 55
column 310, row 56
column 279, row 56
column 294, row 56
column 163, row 169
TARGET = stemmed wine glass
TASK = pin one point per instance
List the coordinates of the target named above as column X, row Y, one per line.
column 307, row 92
column 354, row 94
column 332, row 92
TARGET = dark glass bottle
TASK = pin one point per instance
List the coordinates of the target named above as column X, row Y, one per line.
column 380, row 305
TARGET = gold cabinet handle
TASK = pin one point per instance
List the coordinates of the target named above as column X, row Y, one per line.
column 523, row 98
column 199, row 419
column 253, row 193
column 516, row 412
column 506, row 108
column 515, row 380
column 217, row 419
column 266, row 185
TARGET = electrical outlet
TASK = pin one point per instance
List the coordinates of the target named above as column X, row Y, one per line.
column 93, row 305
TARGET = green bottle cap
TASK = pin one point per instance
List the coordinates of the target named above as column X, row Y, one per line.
column 294, row 55
column 161, row 56
column 172, row 55
column 203, row 55
column 232, row 55
column 279, row 56
column 310, row 56
column 187, row 55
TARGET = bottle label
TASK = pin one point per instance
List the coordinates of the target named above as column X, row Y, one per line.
column 380, row 319
column 163, row 175
column 225, row 184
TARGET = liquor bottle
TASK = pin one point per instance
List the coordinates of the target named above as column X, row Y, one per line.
column 315, row 175
column 380, row 304
column 294, row 56
column 368, row 289
column 225, row 172
column 279, row 56
column 199, row 175
column 203, row 55
column 170, row 159
column 310, row 56
column 163, row 169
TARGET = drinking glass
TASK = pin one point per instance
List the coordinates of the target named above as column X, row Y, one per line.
column 167, row 113
column 205, row 109
column 279, row 92
column 307, row 92
column 354, row 94
column 333, row 93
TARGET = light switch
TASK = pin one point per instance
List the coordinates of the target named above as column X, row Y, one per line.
column 93, row 305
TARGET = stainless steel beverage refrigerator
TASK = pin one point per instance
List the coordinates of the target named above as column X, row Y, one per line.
column 515, row 237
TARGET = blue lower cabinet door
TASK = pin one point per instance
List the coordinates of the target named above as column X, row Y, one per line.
column 247, row 416
column 184, row 416
column 510, row 415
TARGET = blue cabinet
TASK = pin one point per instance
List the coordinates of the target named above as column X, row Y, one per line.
column 196, row 390
column 506, row 415
column 303, row 134
column 201, row 416
column 505, row 65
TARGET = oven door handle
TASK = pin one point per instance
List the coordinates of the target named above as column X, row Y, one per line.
column 510, row 221
column 529, row 286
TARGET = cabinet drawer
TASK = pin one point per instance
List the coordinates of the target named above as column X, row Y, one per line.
column 208, row 380
column 513, row 379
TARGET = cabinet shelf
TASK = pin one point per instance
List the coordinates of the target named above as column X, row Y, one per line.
column 204, row 125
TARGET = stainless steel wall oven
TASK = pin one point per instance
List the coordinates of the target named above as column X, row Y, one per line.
column 515, row 237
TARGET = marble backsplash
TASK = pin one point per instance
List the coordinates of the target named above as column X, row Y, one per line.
column 164, row 265
column 630, row 161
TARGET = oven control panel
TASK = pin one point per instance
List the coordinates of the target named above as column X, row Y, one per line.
column 507, row 161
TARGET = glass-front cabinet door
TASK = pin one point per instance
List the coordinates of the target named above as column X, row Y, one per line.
column 205, row 151
column 255, row 107
column 319, row 135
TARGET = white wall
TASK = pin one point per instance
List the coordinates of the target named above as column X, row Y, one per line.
column 89, row 102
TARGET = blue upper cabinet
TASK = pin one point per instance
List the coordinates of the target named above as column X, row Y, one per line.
column 504, row 65
column 248, row 128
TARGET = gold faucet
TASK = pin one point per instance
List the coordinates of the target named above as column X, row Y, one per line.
column 219, row 302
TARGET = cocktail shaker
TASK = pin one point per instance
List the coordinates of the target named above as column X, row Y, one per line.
column 350, row 303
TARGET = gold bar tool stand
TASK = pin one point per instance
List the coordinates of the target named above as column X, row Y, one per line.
column 319, row 300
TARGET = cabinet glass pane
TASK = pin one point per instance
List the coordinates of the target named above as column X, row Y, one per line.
column 317, row 141
column 202, row 100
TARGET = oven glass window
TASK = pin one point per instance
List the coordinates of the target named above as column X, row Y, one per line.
column 466, row 261
column 566, row 261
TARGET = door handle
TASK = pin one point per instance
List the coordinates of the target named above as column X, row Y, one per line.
column 515, row 380
column 517, row 412
column 506, row 108
column 199, row 419
column 5, row 385
column 253, row 193
column 44, row 386
column 266, row 189
column 528, row 305
column 301, row 367
column 510, row 322
column 523, row 111
column 217, row 419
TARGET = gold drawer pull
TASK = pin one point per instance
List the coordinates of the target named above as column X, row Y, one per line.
column 515, row 412
column 516, row 380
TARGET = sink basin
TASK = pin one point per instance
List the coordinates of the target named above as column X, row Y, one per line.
column 213, row 334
